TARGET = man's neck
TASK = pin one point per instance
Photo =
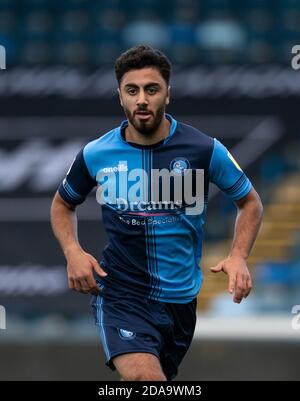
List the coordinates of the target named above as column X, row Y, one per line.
column 162, row 132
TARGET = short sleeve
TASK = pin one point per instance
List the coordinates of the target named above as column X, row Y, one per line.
column 225, row 172
column 78, row 183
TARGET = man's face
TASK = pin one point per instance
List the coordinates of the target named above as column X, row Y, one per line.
column 144, row 95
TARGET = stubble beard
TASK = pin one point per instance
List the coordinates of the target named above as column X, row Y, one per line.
column 146, row 128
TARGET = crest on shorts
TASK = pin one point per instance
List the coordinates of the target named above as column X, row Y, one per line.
column 126, row 334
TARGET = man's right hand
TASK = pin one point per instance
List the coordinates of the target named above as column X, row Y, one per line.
column 80, row 267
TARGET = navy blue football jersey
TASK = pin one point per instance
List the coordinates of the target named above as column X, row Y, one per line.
column 155, row 234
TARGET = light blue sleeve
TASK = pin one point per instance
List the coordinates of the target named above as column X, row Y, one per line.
column 225, row 172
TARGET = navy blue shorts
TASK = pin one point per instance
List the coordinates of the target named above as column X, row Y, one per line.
column 133, row 324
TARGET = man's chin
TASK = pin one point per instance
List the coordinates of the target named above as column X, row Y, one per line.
column 146, row 131
column 144, row 127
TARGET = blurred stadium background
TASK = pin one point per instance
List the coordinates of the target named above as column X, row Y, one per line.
column 232, row 79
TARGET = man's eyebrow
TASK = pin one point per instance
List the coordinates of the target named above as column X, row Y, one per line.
column 132, row 85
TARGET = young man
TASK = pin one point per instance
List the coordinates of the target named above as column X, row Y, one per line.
column 148, row 171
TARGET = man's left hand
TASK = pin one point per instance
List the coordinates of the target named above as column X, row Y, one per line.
column 240, row 282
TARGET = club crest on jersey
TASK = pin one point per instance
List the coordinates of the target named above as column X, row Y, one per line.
column 126, row 334
column 178, row 165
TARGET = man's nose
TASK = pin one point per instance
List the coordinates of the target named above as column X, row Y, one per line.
column 142, row 98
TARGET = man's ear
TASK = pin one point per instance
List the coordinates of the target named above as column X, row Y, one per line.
column 168, row 95
column 120, row 97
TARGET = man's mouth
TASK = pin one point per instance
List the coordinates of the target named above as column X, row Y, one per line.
column 143, row 114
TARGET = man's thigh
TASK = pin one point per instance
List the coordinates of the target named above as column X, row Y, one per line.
column 139, row 366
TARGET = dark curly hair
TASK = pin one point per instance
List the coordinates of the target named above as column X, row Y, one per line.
column 142, row 56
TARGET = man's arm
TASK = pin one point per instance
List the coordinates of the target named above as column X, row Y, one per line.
column 248, row 221
column 80, row 265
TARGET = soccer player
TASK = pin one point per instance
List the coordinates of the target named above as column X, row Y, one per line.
column 152, row 175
